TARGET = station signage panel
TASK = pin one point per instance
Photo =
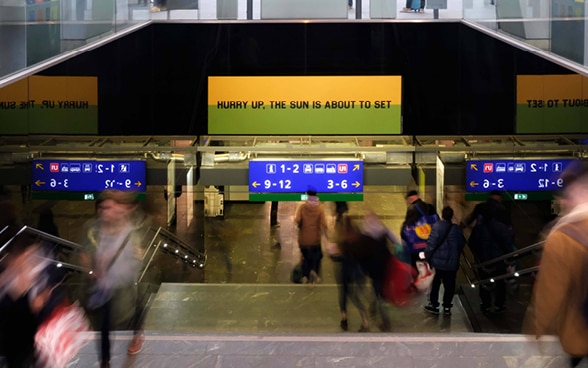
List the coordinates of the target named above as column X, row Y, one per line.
column 298, row 176
column 515, row 175
column 88, row 175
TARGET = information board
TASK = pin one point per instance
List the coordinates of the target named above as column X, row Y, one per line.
column 88, row 175
column 290, row 176
column 515, row 175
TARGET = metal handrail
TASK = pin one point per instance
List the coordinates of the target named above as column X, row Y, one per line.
column 510, row 255
column 196, row 259
column 43, row 235
column 506, row 276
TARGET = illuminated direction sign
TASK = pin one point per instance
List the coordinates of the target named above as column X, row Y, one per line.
column 88, row 175
column 515, row 175
column 324, row 176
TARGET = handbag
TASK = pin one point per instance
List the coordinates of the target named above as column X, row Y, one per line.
column 425, row 278
column 61, row 336
column 332, row 250
column 100, row 294
column 296, row 276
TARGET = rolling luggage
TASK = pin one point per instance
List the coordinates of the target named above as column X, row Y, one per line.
column 415, row 5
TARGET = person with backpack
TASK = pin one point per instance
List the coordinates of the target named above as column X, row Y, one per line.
column 419, row 218
column 558, row 305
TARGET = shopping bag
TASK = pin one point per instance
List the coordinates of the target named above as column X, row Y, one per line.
column 398, row 286
column 332, row 250
column 425, row 277
column 61, row 336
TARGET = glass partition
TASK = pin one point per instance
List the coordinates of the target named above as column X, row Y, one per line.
column 34, row 31
column 556, row 27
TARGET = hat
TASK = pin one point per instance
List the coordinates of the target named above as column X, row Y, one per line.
column 495, row 193
column 311, row 192
column 411, row 193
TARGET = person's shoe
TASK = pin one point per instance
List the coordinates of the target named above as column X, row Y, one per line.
column 305, row 280
column 446, row 311
column 136, row 344
column 385, row 327
column 431, row 309
column 277, row 224
column 344, row 325
column 364, row 329
column 500, row 309
column 406, row 10
column 314, row 279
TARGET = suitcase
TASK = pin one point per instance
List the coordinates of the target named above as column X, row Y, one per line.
column 415, row 5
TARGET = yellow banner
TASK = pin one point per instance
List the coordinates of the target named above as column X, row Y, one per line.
column 319, row 88
column 50, row 105
column 552, row 104
column 556, row 88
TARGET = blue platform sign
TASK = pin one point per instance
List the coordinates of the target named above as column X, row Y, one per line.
column 515, row 175
column 290, row 176
column 88, row 175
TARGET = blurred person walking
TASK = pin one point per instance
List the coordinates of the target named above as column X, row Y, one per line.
column 114, row 252
column 559, row 302
column 312, row 226
column 374, row 255
column 443, row 251
column 349, row 274
column 341, row 208
column 28, row 287
column 491, row 237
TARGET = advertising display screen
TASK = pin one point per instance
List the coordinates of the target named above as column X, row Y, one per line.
column 515, row 175
column 88, row 175
column 323, row 176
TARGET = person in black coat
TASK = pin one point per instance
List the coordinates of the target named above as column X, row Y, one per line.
column 491, row 237
column 443, row 252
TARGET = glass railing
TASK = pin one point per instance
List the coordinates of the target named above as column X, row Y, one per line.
column 35, row 31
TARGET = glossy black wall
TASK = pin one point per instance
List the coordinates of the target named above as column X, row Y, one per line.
column 455, row 80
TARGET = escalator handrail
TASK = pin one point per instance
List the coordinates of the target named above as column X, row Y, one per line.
column 511, row 255
column 181, row 243
column 154, row 245
column 506, row 276
column 41, row 234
